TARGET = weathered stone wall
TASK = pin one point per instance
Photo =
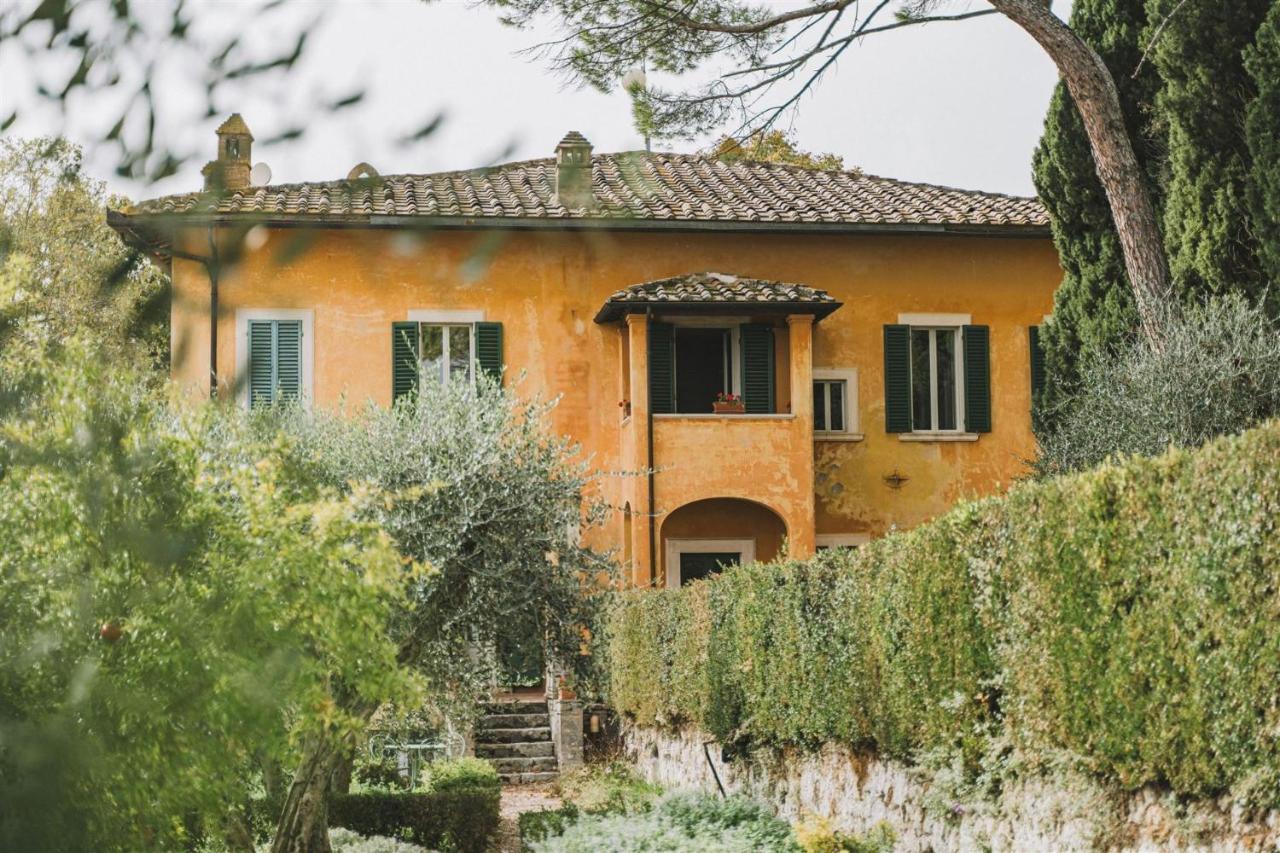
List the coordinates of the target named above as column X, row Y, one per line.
column 857, row 792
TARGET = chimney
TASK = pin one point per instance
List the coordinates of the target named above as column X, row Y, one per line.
column 230, row 172
column 573, row 172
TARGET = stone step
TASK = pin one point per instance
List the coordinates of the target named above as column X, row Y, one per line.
column 539, row 749
column 516, row 706
column 528, row 735
column 514, row 721
column 527, row 778
column 524, row 765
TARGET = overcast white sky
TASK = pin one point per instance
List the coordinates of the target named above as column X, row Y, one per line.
column 959, row 104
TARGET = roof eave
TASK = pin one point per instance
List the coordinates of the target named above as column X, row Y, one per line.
column 578, row 223
column 612, row 310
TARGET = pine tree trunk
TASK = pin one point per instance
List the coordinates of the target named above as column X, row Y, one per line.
column 1094, row 91
column 304, row 820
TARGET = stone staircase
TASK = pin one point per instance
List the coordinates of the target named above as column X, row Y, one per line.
column 515, row 737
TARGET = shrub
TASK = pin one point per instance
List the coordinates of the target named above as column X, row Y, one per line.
column 546, row 823
column 681, row 822
column 1125, row 616
column 818, row 835
column 346, row 841
column 462, row 819
column 1216, row 372
column 610, row 788
column 462, row 773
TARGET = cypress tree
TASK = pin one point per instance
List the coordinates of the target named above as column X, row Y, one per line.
column 1262, row 130
column 1094, row 306
column 1198, row 49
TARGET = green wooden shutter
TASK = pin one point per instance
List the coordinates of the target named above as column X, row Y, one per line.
column 897, row 378
column 977, row 378
column 404, row 360
column 1037, row 363
column 757, row 368
column 288, row 384
column 489, row 349
column 262, row 363
column 275, row 361
column 662, row 368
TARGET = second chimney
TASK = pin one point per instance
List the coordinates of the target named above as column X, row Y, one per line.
column 230, row 171
column 573, row 172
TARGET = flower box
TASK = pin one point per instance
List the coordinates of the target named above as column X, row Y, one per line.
column 737, row 407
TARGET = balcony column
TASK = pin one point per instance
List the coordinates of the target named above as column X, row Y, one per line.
column 800, row 526
column 641, row 520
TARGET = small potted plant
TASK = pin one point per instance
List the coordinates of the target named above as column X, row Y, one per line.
column 565, row 688
column 728, row 404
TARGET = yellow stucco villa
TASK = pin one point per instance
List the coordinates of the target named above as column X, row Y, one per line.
column 879, row 334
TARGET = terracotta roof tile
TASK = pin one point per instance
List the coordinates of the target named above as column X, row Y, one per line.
column 714, row 289
column 630, row 185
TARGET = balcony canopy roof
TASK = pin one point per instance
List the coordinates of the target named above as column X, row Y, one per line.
column 716, row 293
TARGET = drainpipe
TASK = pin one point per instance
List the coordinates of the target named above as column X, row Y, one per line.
column 211, row 265
column 653, row 517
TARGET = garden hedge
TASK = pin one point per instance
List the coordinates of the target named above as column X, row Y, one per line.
column 1127, row 617
column 460, row 818
column 456, row 809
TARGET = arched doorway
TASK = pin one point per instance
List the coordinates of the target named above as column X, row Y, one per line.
column 701, row 537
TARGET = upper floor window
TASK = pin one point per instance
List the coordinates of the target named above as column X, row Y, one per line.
column 448, row 352
column 441, row 347
column 273, row 355
column 692, row 362
column 935, row 367
column 835, row 403
column 937, row 377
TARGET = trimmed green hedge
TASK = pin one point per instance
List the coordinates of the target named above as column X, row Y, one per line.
column 1128, row 616
column 457, row 809
column 460, row 818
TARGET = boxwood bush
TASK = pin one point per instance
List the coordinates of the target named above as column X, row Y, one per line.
column 457, row 808
column 1128, row 617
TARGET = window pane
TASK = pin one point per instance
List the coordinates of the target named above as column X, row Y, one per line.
column 819, row 406
column 920, row 416
column 460, row 353
column 946, row 378
column 433, row 353
column 836, row 417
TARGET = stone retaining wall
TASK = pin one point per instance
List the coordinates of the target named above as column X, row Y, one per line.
column 858, row 792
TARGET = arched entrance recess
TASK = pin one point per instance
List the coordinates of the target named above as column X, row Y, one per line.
column 700, row 536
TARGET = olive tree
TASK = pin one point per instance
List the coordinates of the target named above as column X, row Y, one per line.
column 478, row 488
column 170, row 614
column 1217, row 372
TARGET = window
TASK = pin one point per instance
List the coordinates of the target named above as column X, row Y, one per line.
column 694, row 559
column 273, row 355
column 935, row 366
column 828, row 405
column 448, row 352
column 835, row 403
column 443, row 346
column 937, row 377
column 691, row 361
column 833, row 541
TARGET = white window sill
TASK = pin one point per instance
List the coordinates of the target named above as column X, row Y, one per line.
column 838, row 436
column 937, row 436
column 714, row 417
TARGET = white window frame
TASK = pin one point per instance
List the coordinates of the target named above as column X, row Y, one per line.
column 841, row 540
column 447, row 318
column 934, row 323
column 746, row 548
column 852, row 424
column 243, row 318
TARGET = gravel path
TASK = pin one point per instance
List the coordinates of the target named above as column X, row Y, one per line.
column 516, row 800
